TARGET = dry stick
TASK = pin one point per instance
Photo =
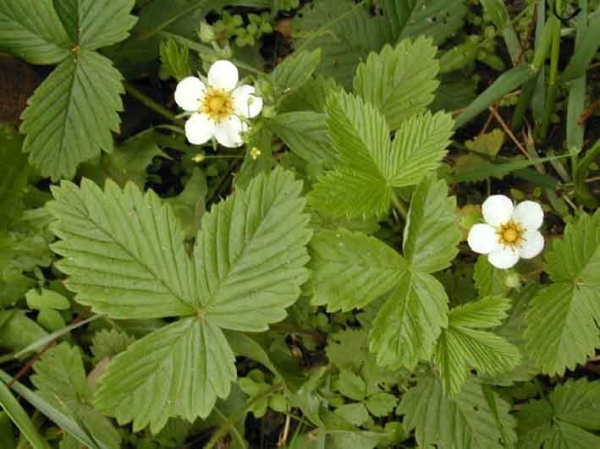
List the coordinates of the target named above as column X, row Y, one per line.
column 35, row 358
column 286, row 431
column 485, row 126
column 508, row 131
column 525, row 45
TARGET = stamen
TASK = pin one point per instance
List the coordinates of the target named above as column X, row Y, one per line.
column 217, row 104
column 510, row 234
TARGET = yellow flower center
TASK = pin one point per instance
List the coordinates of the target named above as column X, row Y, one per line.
column 217, row 104
column 510, row 234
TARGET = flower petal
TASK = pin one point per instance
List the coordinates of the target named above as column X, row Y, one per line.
column 529, row 214
column 533, row 244
column 229, row 132
column 245, row 103
column 503, row 257
column 223, row 74
column 482, row 238
column 497, row 209
column 189, row 93
column 199, row 129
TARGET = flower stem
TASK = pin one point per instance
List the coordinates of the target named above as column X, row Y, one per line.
column 149, row 102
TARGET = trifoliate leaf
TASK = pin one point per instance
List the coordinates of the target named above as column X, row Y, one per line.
column 431, row 234
column 464, row 345
column 369, row 166
column 92, row 24
column 471, row 420
column 410, row 322
column 351, row 385
column 251, row 253
column 350, row 269
column 305, row 132
column 109, row 343
column 179, row 370
column 562, row 320
column 380, row 404
column 565, row 420
column 32, row 31
column 399, row 81
column 149, row 274
column 60, row 379
column 70, row 117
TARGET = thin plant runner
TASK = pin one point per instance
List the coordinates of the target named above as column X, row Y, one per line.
column 509, row 232
column 219, row 107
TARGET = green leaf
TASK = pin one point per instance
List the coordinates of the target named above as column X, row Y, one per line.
column 31, row 30
column 305, row 132
column 355, row 413
column 295, row 70
column 21, row 419
column 60, row 378
column 490, row 281
column 251, row 253
column 179, row 370
column 399, row 81
column 464, row 345
column 311, row 96
column 350, row 269
column 47, row 299
column 469, row 420
column 109, row 343
column 369, row 166
column 70, row 117
column 381, row 404
column 175, row 59
column 93, row 24
column 351, row 385
column 432, row 233
column 149, row 274
column 410, row 322
column 438, row 19
column 565, row 420
column 562, row 329
column 13, row 175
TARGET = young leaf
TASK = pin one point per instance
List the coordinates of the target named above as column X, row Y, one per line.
column 464, row 345
column 399, row 81
column 251, row 253
column 490, row 281
column 409, row 323
column 70, row 117
column 431, row 233
column 350, row 269
column 369, row 166
column 179, row 370
column 380, row 404
column 149, row 274
column 351, row 385
column 32, row 31
column 109, row 343
column 470, row 420
column 562, row 329
column 93, row 24
column 565, row 420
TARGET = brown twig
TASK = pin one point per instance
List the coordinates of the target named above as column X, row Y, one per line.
column 508, row 132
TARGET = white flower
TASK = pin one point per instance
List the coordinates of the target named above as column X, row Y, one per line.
column 509, row 232
column 219, row 108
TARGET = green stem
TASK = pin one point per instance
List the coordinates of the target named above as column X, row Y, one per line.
column 224, row 429
column 553, row 76
column 149, row 102
column 399, row 205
